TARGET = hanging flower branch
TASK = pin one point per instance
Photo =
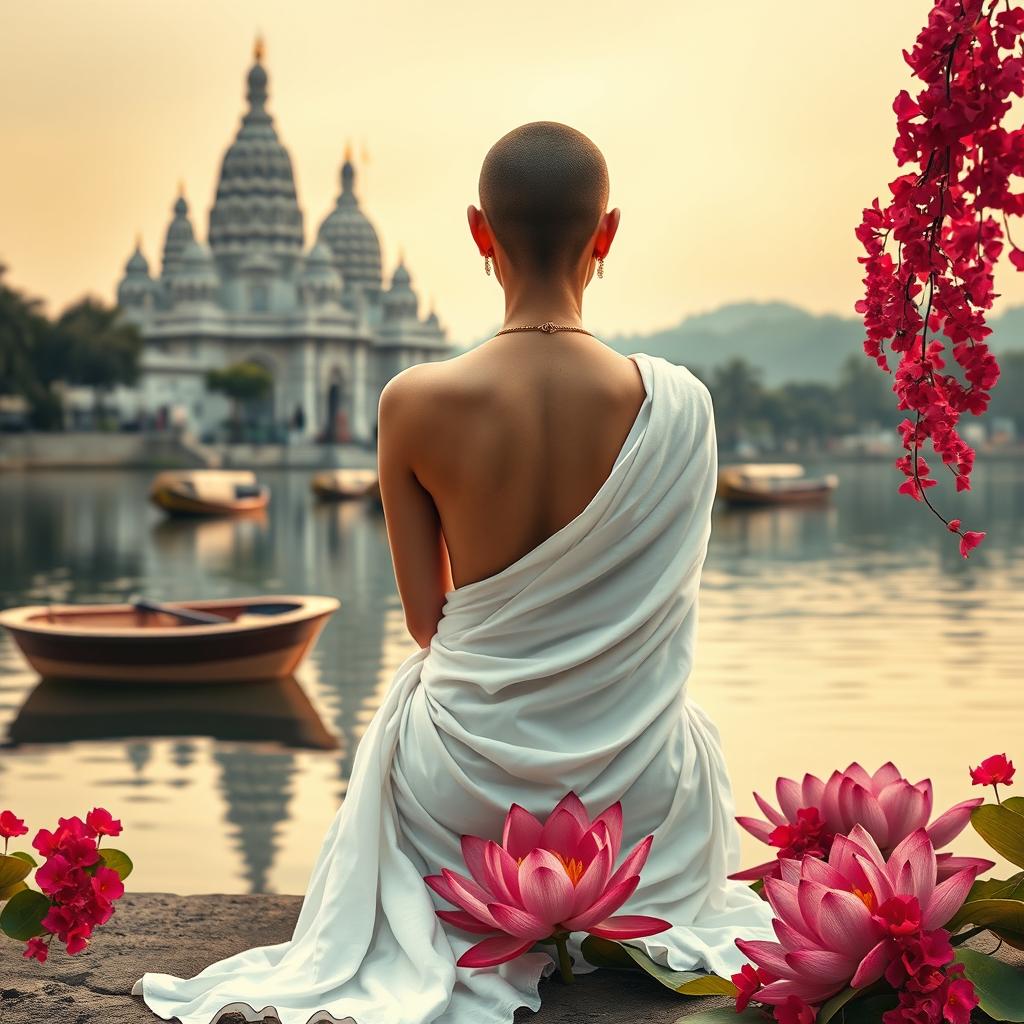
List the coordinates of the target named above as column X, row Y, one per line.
column 947, row 218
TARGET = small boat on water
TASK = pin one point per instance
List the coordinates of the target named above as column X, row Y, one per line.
column 228, row 640
column 346, row 484
column 209, row 492
column 773, row 484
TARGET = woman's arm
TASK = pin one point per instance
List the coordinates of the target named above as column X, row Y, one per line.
column 418, row 551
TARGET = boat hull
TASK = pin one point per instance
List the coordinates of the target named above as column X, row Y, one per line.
column 345, row 485
column 177, row 503
column 737, row 495
column 114, row 643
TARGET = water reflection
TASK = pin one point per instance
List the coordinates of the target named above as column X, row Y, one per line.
column 827, row 634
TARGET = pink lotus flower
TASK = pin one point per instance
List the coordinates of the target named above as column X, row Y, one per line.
column 887, row 805
column 850, row 919
column 544, row 881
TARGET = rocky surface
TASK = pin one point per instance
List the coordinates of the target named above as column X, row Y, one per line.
column 182, row 934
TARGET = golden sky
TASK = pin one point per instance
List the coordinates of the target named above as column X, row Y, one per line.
column 743, row 139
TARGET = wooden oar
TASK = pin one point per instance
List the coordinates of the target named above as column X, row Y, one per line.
column 193, row 618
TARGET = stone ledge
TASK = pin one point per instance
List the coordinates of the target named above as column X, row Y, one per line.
column 182, row 934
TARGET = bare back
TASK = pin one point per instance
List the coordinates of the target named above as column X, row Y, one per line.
column 519, row 435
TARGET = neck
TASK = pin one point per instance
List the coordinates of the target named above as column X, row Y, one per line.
column 531, row 301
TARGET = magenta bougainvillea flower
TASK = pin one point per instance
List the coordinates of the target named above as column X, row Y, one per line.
column 931, row 249
column 854, row 919
column 889, row 807
column 544, row 881
column 80, row 888
column 993, row 771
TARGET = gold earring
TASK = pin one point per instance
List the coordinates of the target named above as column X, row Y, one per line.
column 600, row 266
column 487, row 265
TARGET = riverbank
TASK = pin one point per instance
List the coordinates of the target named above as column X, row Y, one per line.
column 87, row 450
column 180, row 935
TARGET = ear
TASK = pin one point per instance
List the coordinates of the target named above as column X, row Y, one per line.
column 480, row 230
column 606, row 229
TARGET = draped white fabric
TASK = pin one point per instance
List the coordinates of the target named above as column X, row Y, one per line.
column 565, row 671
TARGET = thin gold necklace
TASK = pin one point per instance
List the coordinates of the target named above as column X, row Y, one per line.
column 549, row 327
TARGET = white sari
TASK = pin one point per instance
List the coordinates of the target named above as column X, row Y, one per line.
column 565, row 671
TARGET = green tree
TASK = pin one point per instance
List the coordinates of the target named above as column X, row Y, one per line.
column 96, row 348
column 739, row 401
column 242, row 383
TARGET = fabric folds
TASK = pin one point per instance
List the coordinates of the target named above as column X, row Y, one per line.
column 567, row 670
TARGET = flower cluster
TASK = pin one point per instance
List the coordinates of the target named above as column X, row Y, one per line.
column 544, row 881
column 941, row 218
column 855, row 919
column 888, row 806
column 79, row 888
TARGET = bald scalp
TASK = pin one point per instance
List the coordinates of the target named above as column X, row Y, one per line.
column 543, row 188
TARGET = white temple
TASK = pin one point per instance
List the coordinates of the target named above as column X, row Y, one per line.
column 321, row 321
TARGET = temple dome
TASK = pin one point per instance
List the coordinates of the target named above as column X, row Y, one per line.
column 351, row 237
column 400, row 301
column 137, row 263
column 136, row 288
column 256, row 206
column 179, row 234
column 319, row 281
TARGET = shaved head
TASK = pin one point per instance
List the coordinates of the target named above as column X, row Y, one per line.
column 543, row 189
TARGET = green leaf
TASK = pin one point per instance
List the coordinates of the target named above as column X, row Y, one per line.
column 22, row 855
column 23, row 915
column 12, row 869
column 607, row 954
column 830, row 1008
column 1003, row 830
column 687, row 983
column 1000, row 986
column 1015, row 804
column 118, row 861
column 11, row 890
column 724, row 1015
column 869, row 1011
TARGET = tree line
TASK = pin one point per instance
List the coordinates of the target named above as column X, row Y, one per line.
column 88, row 344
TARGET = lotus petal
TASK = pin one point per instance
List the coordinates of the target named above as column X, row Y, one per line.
column 494, row 951
column 468, row 895
column 613, row 898
column 809, row 990
column 593, row 882
column 811, row 791
column 846, row 923
column 502, row 873
column 545, row 887
column 769, row 955
column 629, row 926
column 824, row 965
column 916, row 853
column 946, row 827
column 574, row 806
column 947, row 898
column 905, row 810
column 886, row 774
column 593, row 840
column 868, row 811
column 612, row 817
column 768, row 811
column 757, row 828
column 858, row 774
column 754, row 873
column 873, row 966
column 515, row 921
column 521, row 833
column 467, row 922
column 562, row 833
column 473, row 854
column 634, row 862
column 787, row 792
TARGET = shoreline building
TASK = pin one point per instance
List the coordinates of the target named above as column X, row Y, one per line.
column 320, row 320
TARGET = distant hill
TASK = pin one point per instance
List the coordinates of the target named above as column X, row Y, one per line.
column 786, row 343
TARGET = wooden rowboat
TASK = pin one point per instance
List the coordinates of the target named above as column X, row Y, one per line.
column 228, row 640
column 345, row 484
column 773, row 484
column 209, row 492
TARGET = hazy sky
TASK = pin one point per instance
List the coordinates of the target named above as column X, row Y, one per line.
column 743, row 139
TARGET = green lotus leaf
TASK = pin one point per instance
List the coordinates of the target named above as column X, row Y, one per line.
column 999, row 986
column 12, row 869
column 23, row 915
column 1003, row 830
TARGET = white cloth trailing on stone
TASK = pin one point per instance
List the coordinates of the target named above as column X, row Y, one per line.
column 565, row 671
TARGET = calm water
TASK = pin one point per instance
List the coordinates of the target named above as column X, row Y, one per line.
column 853, row 631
